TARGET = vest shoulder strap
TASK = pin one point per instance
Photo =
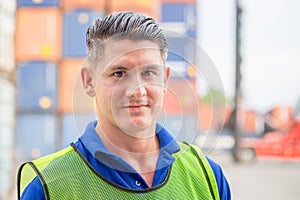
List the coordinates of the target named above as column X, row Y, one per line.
column 29, row 170
column 205, row 166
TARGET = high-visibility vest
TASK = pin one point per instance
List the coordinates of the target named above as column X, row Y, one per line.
column 68, row 175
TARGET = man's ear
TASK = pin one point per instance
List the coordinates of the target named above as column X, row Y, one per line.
column 87, row 81
column 166, row 78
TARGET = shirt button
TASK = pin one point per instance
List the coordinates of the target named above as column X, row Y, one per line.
column 137, row 183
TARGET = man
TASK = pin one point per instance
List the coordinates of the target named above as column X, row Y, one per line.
column 125, row 154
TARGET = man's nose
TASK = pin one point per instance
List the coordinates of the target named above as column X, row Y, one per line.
column 136, row 87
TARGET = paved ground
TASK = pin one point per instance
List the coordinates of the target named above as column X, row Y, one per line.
column 264, row 179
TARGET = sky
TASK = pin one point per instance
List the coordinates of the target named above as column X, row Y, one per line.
column 270, row 49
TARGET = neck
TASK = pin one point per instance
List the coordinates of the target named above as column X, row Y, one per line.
column 118, row 141
column 140, row 153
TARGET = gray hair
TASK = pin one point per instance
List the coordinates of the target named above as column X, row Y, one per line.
column 123, row 25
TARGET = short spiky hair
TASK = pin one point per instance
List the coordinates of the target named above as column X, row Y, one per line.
column 123, row 25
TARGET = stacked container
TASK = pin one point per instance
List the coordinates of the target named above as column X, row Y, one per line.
column 38, row 51
column 75, row 106
column 7, row 97
column 178, row 18
column 47, row 43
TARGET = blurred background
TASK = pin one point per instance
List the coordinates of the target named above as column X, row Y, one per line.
column 254, row 45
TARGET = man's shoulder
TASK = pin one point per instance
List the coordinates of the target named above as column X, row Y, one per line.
column 30, row 174
column 50, row 157
column 222, row 182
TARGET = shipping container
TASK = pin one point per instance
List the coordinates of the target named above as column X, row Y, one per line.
column 181, row 127
column 179, row 1
column 8, row 7
column 212, row 117
column 182, row 70
column 5, row 182
column 7, row 143
column 7, row 53
column 178, row 69
column 7, row 21
column 38, row 34
column 37, row 86
column 37, row 3
column 180, row 17
column 77, row 4
column 178, row 12
column 72, row 96
column 7, row 119
column 73, row 126
column 181, row 49
column 7, row 94
column 181, row 97
column 36, row 136
column 205, row 117
column 151, row 8
column 177, row 49
column 76, row 23
column 7, row 98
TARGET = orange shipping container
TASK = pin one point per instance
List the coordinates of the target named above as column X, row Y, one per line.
column 75, row 4
column 181, row 97
column 72, row 97
column 38, row 34
column 147, row 7
column 205, row 117
column 178, row 1
column 212, row 117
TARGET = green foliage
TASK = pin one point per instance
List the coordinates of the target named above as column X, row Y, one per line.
column 215, row 97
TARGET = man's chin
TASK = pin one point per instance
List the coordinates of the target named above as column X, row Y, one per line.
column 137, row 127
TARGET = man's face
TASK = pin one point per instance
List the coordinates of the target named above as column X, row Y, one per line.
column 130, row 83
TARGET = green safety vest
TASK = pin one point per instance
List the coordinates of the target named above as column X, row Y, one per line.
column 68, row 175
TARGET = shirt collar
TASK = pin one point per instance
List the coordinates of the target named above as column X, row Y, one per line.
column 93, row 143
column 91, row 140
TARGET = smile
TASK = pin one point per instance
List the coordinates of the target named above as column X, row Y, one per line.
column 136, row 108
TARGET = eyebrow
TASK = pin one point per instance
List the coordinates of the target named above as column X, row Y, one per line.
column 150, row 66
column 118, row 67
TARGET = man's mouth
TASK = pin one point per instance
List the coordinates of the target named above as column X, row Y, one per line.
column 136, row 107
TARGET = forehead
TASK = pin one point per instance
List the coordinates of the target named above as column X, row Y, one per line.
column 128, row 51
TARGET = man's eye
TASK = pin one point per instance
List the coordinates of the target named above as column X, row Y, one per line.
column 147, row 73
column 119, row 74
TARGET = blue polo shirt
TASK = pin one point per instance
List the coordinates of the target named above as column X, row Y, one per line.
column 117, row 170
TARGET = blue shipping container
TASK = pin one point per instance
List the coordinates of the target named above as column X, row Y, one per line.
column 178, row 69
column 178, row 12
column 37, row 3
column 37, row 86
column 181, row 49
column 182, row 127
column 75, row 26
column 181, row 13
column 35, row 135
column 73, row 125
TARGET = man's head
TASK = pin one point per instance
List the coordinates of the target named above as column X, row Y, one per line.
column 127, row 73
column 123, row 25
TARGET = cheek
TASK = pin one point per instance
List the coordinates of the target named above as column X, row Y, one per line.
column 104, row 95
column 156, row 92
column 116, row 93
